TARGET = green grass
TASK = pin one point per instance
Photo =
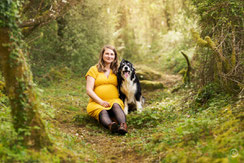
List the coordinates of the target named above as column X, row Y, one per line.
column 172, row 134
column 187, row 126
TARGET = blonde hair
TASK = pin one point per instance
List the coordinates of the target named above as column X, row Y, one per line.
column 101, row 63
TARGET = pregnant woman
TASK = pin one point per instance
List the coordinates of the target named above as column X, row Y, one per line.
column 101, row 86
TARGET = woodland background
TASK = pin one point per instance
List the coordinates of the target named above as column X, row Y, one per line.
column 195, row 46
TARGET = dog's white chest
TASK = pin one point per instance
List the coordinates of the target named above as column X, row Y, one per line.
column 129, row 89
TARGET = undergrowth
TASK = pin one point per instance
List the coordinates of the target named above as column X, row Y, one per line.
column 204, row 129
column 186, row 126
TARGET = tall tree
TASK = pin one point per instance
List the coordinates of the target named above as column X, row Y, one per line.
column 18, row 78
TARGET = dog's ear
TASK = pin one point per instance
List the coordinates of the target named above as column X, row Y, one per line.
column 133, row 68
column 122, row 60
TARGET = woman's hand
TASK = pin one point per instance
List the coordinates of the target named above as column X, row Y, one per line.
column 89, row 90
column 105, row 104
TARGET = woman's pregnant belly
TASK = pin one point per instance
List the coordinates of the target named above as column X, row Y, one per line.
column 107, row 91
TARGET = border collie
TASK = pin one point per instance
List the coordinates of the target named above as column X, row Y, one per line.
column 129, row 87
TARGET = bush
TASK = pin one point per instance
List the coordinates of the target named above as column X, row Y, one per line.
column 219, row 54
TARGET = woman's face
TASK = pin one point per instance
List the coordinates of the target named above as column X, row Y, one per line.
column 108, row 56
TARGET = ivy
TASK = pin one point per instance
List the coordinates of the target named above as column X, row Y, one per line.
column 9, row 13
column 22, row 110
column 223, row 11
column 9, row 16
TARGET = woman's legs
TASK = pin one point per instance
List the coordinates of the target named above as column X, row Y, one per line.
column 118, row 113
column 120, row 117
column 107, row 122
column 104, row 118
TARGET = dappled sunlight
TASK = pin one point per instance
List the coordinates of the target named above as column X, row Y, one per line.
column 187, row 55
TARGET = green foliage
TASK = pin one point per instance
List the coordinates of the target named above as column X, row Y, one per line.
column 8, row 13
column 43, row 51
column 168, row 130
column 130, row 47
column 4, row 101
column 206, row 126
column 148, row 118
column 57, row 103
column 86, row 31
column 55, row 74
column 19, row 93
column 72, row 41
column 222, row 25
column 152, row 117
column 174, row 61
column 169, row 57
column 210, row 96
column 84, row 120
column 207, row 92
column 205, row 136
column 9, row 149
column 222, row 12
column 137, row 29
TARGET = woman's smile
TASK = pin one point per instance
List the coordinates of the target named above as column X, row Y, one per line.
column 108, row 56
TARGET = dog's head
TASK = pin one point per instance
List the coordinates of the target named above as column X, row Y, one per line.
column 126, row 69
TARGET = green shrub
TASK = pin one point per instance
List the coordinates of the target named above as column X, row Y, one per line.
column 219, row 56
column 210, row 96
column 207, row 92
column 151, row 117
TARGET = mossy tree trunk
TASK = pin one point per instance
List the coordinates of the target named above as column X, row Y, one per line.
column 20, row 90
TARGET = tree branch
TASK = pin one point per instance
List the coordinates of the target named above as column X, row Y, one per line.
column 56, row 10
column 187, row 73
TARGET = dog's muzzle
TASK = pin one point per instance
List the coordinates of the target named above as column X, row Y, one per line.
column 126, row 72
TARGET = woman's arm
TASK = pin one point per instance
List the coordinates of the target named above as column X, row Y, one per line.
column 90, row 81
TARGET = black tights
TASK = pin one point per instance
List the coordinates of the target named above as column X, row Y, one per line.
column 116, row 112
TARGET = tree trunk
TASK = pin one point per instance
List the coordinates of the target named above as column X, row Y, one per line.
column 167, row 15
column 19, row 87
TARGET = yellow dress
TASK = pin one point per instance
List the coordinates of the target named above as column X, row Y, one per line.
column 105, row 88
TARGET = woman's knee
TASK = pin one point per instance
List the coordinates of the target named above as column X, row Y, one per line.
column 103, row 112
column 116, row 105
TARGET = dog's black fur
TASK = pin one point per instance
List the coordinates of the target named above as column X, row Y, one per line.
column 129, row 87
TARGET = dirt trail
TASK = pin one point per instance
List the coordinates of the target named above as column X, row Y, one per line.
column 109, row 147
column 170, row 80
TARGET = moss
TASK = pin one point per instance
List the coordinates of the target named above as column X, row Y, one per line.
column 233, row 58
column 20, row 90
column 198, row 39
column 151, row 85
column 145, row 73
column 2, row 88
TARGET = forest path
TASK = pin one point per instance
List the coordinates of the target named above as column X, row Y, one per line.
column 108, row 147
column 70, row 96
